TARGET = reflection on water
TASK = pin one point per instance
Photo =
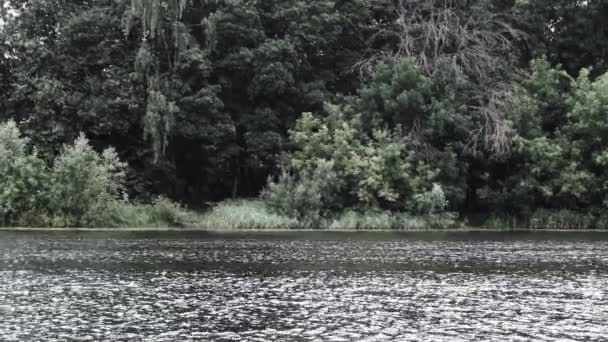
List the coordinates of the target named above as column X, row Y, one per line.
column 322, row 287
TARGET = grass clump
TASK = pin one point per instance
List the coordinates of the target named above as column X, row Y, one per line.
column 353, row 220
column 386, row 220
column 562, row 220
column 161, row 213
column 545, row 219
column 244, row 214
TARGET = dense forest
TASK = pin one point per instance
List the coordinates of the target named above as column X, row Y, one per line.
column 476, row 108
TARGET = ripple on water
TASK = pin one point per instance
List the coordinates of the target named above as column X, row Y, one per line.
column 262, row 289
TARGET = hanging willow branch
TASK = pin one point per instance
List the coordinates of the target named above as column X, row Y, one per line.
column 154, row 16
column 153, row 12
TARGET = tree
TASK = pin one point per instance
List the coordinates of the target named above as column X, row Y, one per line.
column 569, row 33
column 473, row 38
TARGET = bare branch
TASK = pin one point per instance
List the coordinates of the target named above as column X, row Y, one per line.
column 435, row 32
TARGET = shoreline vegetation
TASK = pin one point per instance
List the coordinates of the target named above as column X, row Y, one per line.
column 254, row 216
column 81, row 187
column 330, row 115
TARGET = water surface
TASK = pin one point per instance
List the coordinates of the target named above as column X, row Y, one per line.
column 303, row 286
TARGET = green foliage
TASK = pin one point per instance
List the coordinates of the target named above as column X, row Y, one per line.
column 85, row 184
column 161, row 213
column 561, row 220
column 557, row 157
column 546, row 86
column 387, row 220
column 313, row 195
column 396, row 94
column 245, row 214
column 430, row 112
column 24, row 177
column 589, row 103
column 204, row 101
column 235, row 76
column 79, row 190
column 353, row 220
column 159, row 121
column 152, row 13
column 430, row 202
column 337, row 166
column 560, row 30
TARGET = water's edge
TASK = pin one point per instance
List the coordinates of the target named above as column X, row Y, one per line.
column 249, row 230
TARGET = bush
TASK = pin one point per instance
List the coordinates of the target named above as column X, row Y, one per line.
column 78, row 191
column 85, row 185
column 430, row 202
column 23, row 177
column 309, row 198
column 337, row 166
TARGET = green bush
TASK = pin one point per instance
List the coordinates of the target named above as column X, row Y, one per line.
column 430, row 202
column 337, row 166
column 309, row 198
column 85, row 185
column 23, row 178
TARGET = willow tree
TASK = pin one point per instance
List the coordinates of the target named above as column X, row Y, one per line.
column 163, row 36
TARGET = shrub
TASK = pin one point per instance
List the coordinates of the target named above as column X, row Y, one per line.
column 23, row 177
column 308, row 198
column 85, row 184
column 337, row 166
column 430, row 202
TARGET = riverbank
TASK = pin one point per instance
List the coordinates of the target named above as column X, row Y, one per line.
column 295, row 230
column 253, row 215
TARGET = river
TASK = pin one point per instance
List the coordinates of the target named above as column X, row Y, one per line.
column 171, row 286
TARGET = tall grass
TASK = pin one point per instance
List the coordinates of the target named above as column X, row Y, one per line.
column 254, row 214
column 385, row 220
column 550, row 220
column 244, row 214
column 562, row 220
column 161, row 213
